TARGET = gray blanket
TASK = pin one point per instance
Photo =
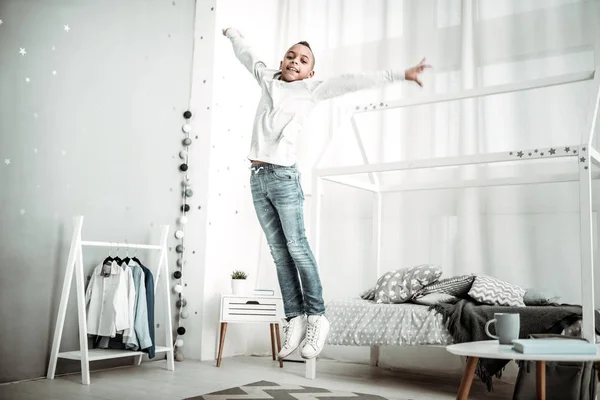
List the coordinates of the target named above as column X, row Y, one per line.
column 466, row 320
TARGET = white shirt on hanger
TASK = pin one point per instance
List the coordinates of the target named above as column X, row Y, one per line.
column 110, row 301
column 131, row 295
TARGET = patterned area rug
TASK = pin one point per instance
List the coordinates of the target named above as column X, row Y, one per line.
column 264, row 390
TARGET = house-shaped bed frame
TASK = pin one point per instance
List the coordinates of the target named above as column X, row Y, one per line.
column 583, row 153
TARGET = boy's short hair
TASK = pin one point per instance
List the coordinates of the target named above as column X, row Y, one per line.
column 305, row 43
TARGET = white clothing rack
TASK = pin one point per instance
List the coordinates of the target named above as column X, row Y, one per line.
column 75, row 262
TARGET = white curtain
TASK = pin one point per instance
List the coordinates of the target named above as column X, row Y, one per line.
column 528, row 235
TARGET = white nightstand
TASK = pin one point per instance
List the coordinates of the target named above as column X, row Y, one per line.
column 251, row 309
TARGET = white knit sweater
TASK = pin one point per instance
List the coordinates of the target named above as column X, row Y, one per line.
column 284, row 106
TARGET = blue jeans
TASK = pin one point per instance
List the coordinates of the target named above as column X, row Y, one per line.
column 278, row 201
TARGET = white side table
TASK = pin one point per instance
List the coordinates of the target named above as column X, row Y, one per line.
column 251, row 309
column 492, row 349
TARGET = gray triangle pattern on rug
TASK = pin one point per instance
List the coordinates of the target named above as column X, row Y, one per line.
column 264, row 390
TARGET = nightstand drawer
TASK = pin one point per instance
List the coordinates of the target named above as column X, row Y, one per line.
column 248, row 309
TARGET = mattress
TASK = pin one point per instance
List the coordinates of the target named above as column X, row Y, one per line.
column 358, row 322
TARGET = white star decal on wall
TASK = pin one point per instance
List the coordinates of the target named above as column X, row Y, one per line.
column 35, row 151
column 53, row 48
column 53, row 72
column 27, row 80
column 22, row 211
column 0, row 22
column 22, row 51
column 7, row 161
column 67, row 28
column 64, row 153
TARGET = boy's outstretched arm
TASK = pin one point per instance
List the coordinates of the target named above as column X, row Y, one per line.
column 244, row 53
column 348, row 83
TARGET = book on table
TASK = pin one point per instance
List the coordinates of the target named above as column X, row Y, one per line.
column 554, row 344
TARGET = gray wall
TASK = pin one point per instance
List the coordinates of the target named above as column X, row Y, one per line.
column 99, row 138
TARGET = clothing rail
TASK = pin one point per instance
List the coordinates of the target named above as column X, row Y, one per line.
column 75, row 268
column 120, row 245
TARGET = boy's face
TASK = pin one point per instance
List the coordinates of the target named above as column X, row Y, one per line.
column 297, row 64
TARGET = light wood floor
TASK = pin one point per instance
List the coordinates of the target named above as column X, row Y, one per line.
column 151, row 381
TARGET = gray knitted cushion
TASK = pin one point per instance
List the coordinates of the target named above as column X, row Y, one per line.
column 458, row 286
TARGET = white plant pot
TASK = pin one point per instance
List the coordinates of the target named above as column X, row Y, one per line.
column 239, row 286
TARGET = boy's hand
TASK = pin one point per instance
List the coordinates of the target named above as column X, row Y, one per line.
column 226, row 29
column 412, row 74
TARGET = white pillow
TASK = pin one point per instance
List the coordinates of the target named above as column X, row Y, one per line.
column 493, row 291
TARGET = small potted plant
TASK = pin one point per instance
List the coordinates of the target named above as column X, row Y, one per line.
column 238, row 282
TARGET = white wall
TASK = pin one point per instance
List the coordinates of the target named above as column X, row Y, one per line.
column 196, row 278
column 232, row 236
column 99, row 138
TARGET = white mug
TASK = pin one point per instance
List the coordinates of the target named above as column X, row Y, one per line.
column 507, row 327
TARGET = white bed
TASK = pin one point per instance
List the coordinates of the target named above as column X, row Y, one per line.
column 358, row 322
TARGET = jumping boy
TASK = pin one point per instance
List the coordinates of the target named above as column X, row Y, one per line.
column 288, row 96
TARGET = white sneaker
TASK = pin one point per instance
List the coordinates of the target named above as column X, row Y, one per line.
column 294, row 332
column 316, row 334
